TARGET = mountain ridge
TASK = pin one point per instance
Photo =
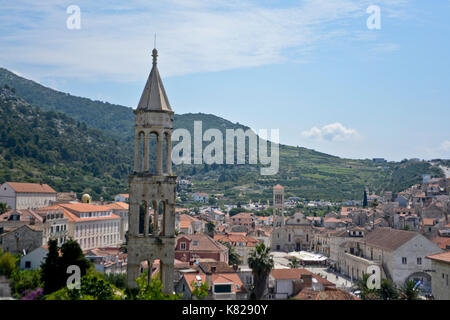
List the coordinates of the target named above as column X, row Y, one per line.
column 304, row 172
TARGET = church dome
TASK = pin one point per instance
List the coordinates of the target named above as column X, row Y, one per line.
column 85, row 198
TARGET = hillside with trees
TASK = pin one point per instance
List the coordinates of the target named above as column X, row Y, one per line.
column 74, row 143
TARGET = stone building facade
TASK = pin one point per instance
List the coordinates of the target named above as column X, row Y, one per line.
column 399, row 254
column 295, row 234
column 25, row 238
column 440, row 281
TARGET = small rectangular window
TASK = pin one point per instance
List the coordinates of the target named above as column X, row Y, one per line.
column 404, row 260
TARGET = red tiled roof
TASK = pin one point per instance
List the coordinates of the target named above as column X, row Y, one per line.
column 218, row 278
column 292, row 274
column 327, row 294
column 73, row 217
column 233, row 238
column 23, row 187
column 85, row 207
column 204, row 242
column 442, row 257
column 278, row 186
column 189, row 277
column 442, row 242
column 334, row 220
column 243, row 215
column 428, row 221
column 186, row 220
column 25, row 215
column 118, row 205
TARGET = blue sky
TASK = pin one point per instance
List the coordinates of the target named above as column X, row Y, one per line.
column 310, row 68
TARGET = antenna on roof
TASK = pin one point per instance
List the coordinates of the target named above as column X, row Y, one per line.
column 154, row 45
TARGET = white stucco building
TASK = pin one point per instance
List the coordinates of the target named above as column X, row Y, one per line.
column 20, row 195
column 34, row 259
column 92, row 226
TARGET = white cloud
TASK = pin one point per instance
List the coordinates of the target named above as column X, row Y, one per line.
column 116, row 38
column 445, row 146
column 385, row 48
column 331, row 132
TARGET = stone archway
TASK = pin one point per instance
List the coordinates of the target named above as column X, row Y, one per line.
column 421, row 276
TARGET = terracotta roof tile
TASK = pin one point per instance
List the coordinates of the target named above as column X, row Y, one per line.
column 118, row 205
column 292, row 274
column 327, row 294
column 31, row 187
column 204, row 242
column 442, row 257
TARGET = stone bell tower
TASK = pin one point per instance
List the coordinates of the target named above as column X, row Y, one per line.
column 152, row 188
column 278, row 206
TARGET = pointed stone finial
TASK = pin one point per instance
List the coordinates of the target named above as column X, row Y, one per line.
column 155, row 55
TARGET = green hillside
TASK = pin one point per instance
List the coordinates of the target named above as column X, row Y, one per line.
column 50, row 147
column 304, row 172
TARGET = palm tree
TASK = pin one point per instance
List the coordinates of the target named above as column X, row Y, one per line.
column 365, row 292
column 387, row 290
column 294, row 263
column 409, row 291
column 233, row 257
column 3, row 207
column 261, row 263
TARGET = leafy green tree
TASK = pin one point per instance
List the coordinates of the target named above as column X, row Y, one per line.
column 212, row 200
column 152, row 290
column 23, row 281
column 92, row 287
column 261, row 263
column 118, row 280
column 8, row 263
column 54, row 269
column 71, row 254
column 200, row 290
column 374, row 204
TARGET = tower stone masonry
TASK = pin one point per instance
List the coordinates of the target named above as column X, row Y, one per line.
column 278, row 206
column 152, row 185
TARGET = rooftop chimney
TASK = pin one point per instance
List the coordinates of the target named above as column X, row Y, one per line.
column 307, row 280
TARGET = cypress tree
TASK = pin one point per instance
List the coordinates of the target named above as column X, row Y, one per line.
column 365, row 199
column 51, row 269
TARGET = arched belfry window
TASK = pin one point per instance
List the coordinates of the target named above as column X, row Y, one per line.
column 152, row 141
column 141, row 139
column 143, row 218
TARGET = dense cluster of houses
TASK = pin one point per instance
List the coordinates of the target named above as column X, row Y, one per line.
column 406, row 235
